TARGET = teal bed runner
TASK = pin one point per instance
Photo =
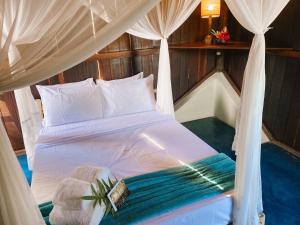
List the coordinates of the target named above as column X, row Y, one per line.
column 160, row 192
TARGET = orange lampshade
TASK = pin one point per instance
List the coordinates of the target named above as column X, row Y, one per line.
column 210, row 8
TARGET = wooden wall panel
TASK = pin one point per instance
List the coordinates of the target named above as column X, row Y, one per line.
column 10, row 118
column 126, row 67
column 81, row 72
column 188, row 68
column 234, row 63
column 147, row 64
column 140, row 43
column 120, row 44
column 284, row 32
column 111, row 69
column 120, row 68
column 282, row 96
column 116, row 68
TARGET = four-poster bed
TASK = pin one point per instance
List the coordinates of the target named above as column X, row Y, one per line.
column 80, row 28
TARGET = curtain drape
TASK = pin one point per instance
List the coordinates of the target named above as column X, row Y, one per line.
column 159, row 24
column 40, row 38
column 51, row 36
column 30, row 119
column 255, row 16
column 17, row 205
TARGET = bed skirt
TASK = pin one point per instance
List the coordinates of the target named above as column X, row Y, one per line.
column 157, row 193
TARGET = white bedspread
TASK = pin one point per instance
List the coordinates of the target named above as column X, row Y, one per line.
column 128, row 145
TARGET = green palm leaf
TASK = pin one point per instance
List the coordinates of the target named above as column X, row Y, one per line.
column 99, row 196
column 91, row 197
column 105, row 184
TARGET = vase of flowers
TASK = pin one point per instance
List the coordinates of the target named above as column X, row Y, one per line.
column 220, row 37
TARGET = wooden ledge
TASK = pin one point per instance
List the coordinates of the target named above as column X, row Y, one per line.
column 289, row 52
column 226, row 46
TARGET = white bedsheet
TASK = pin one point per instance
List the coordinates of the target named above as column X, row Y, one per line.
column 129, row 145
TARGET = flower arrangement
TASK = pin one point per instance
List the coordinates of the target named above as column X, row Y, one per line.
column 221, row 36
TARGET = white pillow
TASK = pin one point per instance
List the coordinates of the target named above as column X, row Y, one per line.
column 135, row 77
column 63, row 105
column 88, row 82
column 128, row 97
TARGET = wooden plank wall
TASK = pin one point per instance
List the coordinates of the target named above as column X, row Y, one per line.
column 282, row 97
column 10, row 118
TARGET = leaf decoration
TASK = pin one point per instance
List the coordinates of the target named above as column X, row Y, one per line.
column 94, row 190
column 111, row 184
column 91, row 197
column 105, row 184
column 99, row 196
column 95, row 203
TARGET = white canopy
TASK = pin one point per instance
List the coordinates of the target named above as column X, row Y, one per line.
column 41, row 38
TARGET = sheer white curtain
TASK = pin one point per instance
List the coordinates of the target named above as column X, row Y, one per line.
column 40, row 38
column 30, row 119
column 16, row 200
column 159, row 24
column 255, row 16
column 55, row 35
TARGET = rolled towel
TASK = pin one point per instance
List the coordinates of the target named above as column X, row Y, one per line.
column 69, row 192
column 60, row 216
column 91, row 174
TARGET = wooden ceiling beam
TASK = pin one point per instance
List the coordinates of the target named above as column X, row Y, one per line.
column 123, row 54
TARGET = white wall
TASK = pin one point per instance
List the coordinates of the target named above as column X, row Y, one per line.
column 215, row 97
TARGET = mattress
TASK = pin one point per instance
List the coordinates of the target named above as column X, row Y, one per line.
column 128, row 145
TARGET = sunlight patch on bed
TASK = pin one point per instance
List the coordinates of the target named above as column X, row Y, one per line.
column 150, row 139
column 202, row 175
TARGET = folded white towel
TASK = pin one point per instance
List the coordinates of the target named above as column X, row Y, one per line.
column 69, row 192
column 59, row 216
column 91, row 174
column 69, row 208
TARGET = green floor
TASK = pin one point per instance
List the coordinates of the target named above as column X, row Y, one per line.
column 280, row 171
column 214, row 132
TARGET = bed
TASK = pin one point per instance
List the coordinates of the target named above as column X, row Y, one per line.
column 128, row 145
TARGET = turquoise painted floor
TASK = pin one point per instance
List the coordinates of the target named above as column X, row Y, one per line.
column 23, row 162
column 280, row 171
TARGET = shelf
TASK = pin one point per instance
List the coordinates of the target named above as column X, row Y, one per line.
column 226, row 46
column 288, row 53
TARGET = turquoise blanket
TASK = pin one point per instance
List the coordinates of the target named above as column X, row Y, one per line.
column 161, row 192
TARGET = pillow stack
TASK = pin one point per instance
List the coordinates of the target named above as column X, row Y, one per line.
column 85, row 100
